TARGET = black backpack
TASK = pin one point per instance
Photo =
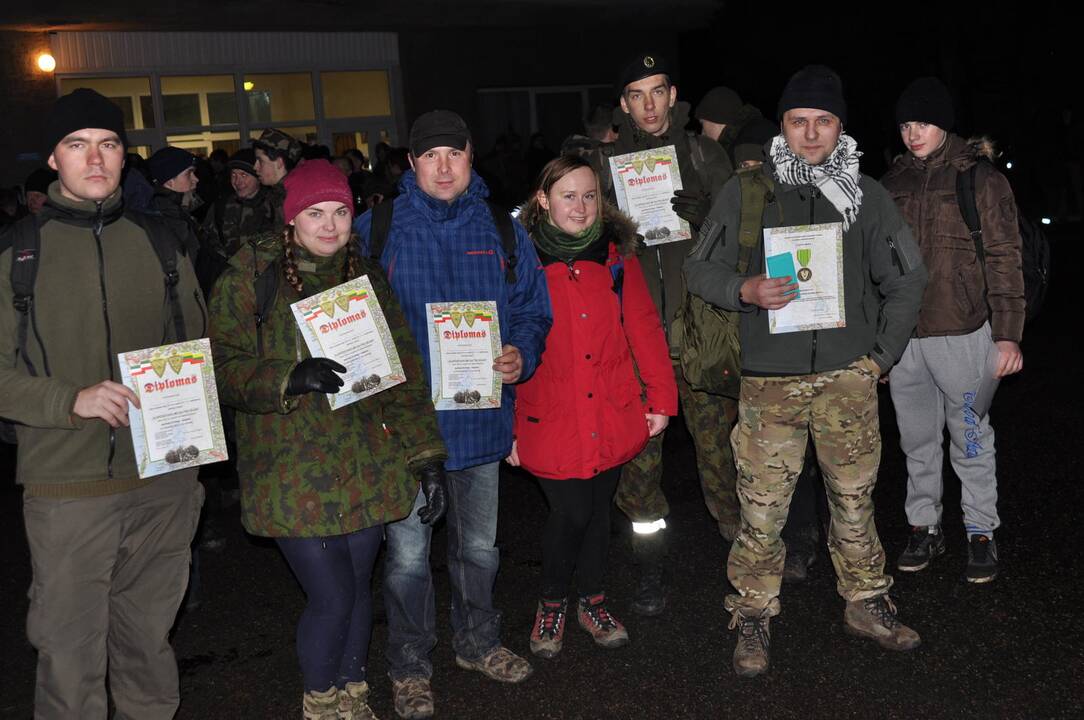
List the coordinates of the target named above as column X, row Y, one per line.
column 1034, row 246
column 24, row 239
column 267, row 282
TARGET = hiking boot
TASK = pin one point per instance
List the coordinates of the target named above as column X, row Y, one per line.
column 754, row 638
column 354, row 702
column 650, row 554
column 548, row 632
column 593, row 617
column 926, row 543
column 875, row 618
column 797, row 563
column 981, row 559
column 413, row 698
column 320, row 704
column 500, row 664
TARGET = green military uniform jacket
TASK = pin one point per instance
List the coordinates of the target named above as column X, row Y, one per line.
column 234, row 221
column 307, row 471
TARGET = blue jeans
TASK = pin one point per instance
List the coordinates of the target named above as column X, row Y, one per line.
column 472, row 566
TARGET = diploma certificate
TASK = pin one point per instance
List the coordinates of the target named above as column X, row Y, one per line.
column 346, row 324
column 816, row 251
column 464, row 340
column 644, row 183
column 178, row 424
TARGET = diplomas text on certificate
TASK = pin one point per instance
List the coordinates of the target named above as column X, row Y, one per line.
column 644, row 183
column 347, row 325
column 816, row 252
column 464, row 340
column 178, row 424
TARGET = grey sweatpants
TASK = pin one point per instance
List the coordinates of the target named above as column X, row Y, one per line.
column 109, row 575
column 939, row 383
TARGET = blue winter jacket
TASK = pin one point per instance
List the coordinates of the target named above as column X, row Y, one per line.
column 443, row 252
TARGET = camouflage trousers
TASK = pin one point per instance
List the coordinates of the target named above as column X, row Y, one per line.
column 709, row 419
column 777, row 415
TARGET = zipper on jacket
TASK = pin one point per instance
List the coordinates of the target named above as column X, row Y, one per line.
column 97, row 231
column 896, row 259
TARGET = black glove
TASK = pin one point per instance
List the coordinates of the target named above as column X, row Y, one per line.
column 691, row 206
column 315, row 375
column 435, row 487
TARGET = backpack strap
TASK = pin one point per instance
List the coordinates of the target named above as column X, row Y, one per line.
column 507, row 231
column 167, row 246
column 379, row 228
column 965, row 198
column 755, row 191
column 25, row 238
column 267, row 289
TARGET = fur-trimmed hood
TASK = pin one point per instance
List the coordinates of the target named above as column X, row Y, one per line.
column 956, row 151
column 620, row 228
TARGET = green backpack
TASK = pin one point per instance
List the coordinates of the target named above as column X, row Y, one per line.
column 710, row 347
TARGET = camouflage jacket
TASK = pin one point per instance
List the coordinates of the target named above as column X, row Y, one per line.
column 307, row 471
column 233, row 221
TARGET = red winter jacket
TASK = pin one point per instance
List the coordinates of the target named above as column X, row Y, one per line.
column 582, row 411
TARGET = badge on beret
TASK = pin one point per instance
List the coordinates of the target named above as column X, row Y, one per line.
column 649, row 62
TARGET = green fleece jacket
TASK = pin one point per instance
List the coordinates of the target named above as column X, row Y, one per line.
column 91, row 302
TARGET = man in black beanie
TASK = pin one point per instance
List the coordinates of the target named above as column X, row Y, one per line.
column 806, row 377
column 723, row 116
column 109, row 548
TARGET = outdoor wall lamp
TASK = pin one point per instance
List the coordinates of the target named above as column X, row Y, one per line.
column 46, row 62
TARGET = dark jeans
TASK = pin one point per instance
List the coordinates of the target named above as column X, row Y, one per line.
column 334, row 629
column 577, row 533
column 473, row 560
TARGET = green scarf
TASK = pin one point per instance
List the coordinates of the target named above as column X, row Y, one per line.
column 556, row 243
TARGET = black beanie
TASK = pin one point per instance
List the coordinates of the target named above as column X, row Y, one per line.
column 80, row 109
column 926, row 100
column 720, row 105
column 168, row 163
column 814, row 86
column 749, row 145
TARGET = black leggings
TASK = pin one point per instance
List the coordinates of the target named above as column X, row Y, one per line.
column 577, row 533
column 333, row 632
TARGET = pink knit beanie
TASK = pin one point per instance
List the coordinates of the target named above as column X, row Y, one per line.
column 314, row 181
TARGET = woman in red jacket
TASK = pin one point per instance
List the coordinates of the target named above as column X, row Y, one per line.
column 583, row 413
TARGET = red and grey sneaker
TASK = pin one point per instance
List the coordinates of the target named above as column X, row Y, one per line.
column 548, row 632
column 593, row 617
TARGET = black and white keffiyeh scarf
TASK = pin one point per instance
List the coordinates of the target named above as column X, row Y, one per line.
column 836, row 177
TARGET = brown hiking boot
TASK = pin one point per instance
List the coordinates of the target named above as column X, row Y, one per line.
column 413, row 698
column 751, row 651
column 320, row 704
column 594, row 617
column 500, row 664
column 354, row 702
column 548, row 631
column 875, row 618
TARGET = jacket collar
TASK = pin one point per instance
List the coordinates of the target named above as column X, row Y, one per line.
column 83, row 213
column 437, row 210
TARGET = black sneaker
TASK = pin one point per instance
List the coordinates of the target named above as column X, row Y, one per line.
column 922, row 547
column 981, row 559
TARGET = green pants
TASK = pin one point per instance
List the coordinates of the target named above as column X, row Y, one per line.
column 776, row 418
column 709, row 419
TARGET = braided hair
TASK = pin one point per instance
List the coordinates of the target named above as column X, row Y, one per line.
column 351, row 265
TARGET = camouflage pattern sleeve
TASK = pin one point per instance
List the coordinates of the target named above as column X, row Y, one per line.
column 246, row 381
column 408, row 409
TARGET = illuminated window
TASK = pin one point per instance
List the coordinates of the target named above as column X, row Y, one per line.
column 280, row 98
column 356, row 94
column 200, row 100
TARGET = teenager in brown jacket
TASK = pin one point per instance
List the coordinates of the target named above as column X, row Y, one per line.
column 969, row 328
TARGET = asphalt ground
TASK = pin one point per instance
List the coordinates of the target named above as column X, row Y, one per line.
column 1010, row 649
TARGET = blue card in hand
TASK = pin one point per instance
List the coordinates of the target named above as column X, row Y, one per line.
column 782, row 265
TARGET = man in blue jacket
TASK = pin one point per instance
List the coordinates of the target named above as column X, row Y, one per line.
column 443, row 245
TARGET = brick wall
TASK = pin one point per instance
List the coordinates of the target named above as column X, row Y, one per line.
column 28, row 94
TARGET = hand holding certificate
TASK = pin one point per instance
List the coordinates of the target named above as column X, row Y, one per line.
column 812, row 256
column 464, row 342
column 644, row 183
column 346, row 324
column 178, row 423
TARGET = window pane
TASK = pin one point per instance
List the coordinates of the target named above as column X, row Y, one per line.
column 192, row 101
column 125, row 92
column 279, row 98
column 343, row 141
column 356, row 94
column 203, row 143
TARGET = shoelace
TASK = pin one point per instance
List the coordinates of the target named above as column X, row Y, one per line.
column 550, row 622
column 752, row 631
column 600, row 617
column 883, row 609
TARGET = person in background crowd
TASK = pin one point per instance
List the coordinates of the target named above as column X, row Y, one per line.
column 442, row 213
column 37, row 189
column 819, row 382
column 723, row 116
column 323, row 483
column 173, row 171
column 580, row 417
column 969, row 328
column 109, row 549
column 276, row 154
